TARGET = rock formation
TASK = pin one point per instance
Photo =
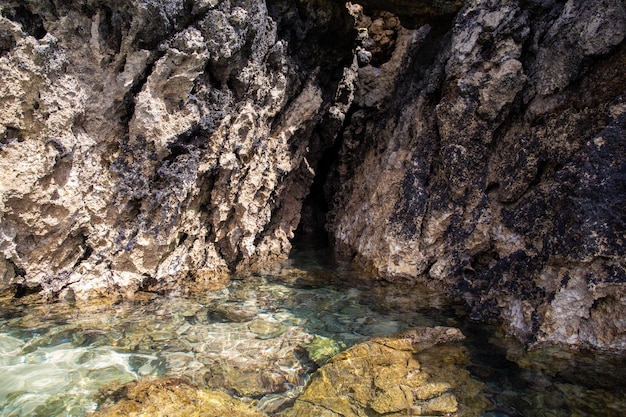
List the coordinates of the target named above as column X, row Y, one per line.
column 486, row 157
column 395, row 376
column 391, row 376
column 174, row 397
column 145, row 143
column 477, row 147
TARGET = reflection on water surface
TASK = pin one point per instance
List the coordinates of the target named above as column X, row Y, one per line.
column 261, row 338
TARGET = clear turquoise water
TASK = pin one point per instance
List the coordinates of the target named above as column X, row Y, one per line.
column 58, row 359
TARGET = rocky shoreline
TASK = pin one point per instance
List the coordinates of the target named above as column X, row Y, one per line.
column 476, row 147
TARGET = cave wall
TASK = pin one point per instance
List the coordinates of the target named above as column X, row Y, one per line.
column 476, row 146
column 493, row 166
column 148, row 143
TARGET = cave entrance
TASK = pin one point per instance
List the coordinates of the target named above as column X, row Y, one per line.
column 312, row 230
column 312, row 227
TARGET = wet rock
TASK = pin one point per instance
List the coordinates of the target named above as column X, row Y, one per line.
column 249, row 363
column 246, row 380
column 274, row 371
column 485, row 156
column 419, row 372
column 233, row 312
column 172, row 397
column 265, row 329
column 321, row 349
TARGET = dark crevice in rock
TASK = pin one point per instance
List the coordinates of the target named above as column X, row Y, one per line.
column 129, row 214
column 414, row 14
column 182, row 238
column 602, row 82
column 11, row 134
column 483, row 261
column 24, row 290
column 17, row 271
column 129, row 99
column 316, row 204
column 204, row 194
column 113, row 25
column 6, row 42
column 156, row 29
column 193, row 140
column 492, row 187
column 336, row 39
column 31, row 23
column 149, row 284
column 86, row 248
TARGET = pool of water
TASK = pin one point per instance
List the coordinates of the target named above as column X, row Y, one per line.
column 262, row 337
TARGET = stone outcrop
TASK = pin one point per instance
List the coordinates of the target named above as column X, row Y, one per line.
column 395, row 376
column 418, row 372
column 173, row 397
column 486, row 157
column 475, row 146
column 146, row 143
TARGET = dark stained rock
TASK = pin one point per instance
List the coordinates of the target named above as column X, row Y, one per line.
column 476, row 147
column 149, row 145
column 496, row 167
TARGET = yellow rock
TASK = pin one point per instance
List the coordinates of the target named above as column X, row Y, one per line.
column 174, row 397
column 445, row 403
column 431, row 390
column 393, row 400
column 419, row 372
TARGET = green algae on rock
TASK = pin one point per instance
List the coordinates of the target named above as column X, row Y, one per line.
column 393, row 376
column 321, row 349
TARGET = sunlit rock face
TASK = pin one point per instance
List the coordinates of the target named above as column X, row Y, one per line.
column 149, row 142
column 492, row 164
column 175, row 397
column 475, row 146
column 416, row 373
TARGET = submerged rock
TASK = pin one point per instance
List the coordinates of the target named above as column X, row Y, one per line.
column 173, row 398
column 233, row 312
column 419, row 372
column 321, row 349
column 265, row 329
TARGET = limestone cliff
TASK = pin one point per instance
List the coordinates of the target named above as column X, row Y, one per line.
column 493, row 165
column 477, row 147
column 145, row 142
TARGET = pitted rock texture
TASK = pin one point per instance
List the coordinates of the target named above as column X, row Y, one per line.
column 417, row 373
column 492, row 165
column 173, row 397
column 475, row 146
column 149, row 142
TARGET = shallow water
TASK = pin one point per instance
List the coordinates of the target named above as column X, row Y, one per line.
column 262, row 337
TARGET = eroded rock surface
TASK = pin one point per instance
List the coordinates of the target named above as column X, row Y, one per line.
column 475, row 146
column 486, row 157
column 145, row 143
column 394, row 376
column 175, row 397
column 419, row 372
